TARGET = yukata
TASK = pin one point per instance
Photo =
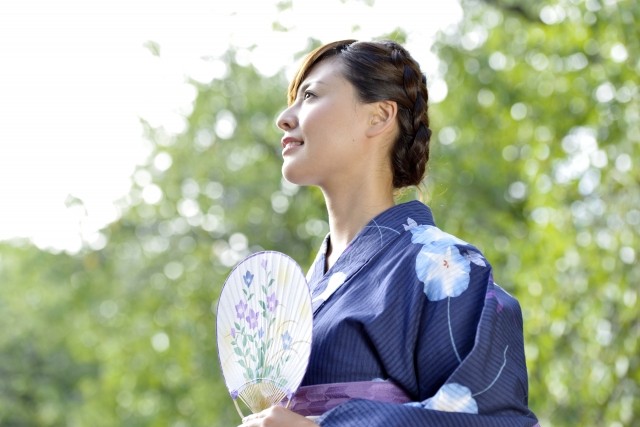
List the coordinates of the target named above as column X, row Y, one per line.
column 411, row 304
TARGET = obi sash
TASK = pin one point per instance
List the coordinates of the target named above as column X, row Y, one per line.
column 315, row 400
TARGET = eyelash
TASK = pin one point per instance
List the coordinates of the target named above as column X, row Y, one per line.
column 308, row 93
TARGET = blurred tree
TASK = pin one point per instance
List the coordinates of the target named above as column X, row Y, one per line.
column 534, row 161
column 125, row 335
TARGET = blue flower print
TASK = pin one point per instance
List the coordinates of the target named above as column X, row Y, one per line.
column 444, row 271
column 286, row 341
column 452, row 397
column 248, row 278
column 410, row 224
column 476, row 258
column 427, row 234
column 336, row 280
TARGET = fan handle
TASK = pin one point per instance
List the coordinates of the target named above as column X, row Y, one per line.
column 235, row 402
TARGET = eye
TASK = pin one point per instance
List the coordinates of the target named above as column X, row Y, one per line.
column 308, row 94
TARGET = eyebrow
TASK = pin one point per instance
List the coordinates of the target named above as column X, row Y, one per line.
column 307, row 84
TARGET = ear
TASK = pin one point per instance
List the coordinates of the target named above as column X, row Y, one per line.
column 382, row 117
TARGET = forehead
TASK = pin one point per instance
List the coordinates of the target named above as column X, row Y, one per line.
column 327, row 71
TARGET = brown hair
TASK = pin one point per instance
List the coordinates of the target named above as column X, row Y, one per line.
column 384, row 71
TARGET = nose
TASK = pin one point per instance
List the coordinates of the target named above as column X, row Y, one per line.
column 287, row 120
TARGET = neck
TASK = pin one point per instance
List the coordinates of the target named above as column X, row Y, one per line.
column 350, row 209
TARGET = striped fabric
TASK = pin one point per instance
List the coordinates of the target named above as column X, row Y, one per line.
column 409, row 303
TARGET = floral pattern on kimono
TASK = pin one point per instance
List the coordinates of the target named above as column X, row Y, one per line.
column 409, row 303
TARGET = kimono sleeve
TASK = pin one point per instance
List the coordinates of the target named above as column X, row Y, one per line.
column 476, row 327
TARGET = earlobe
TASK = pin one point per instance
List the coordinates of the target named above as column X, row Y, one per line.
column 383, row 116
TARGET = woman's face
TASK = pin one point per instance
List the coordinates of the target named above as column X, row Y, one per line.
column 324, row 141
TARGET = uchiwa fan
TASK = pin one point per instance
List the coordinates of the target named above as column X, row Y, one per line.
column 264, row 328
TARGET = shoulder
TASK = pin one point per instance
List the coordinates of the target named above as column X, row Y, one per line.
column 444, row 265
column 415, row 229
column 429, row 240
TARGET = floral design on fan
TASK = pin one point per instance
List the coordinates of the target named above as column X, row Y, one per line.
column 241, row 307
column 248, row 278
column 286, row 341
column 272, row 302
column 251, row 335
column 252, row 319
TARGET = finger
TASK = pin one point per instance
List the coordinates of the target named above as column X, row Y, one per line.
column 253, row 417
column 255, row 422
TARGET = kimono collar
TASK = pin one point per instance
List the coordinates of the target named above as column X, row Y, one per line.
column 377, row 234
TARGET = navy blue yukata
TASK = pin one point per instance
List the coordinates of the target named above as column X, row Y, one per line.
column 409, row 303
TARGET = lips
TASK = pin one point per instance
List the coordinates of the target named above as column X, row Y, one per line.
column 290, row 143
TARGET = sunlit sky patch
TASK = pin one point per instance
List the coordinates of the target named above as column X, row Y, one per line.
column 77, row 76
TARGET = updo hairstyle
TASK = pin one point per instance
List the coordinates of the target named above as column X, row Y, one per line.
column 384, row 71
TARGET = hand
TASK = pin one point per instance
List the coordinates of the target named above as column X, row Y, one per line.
column 277, row 416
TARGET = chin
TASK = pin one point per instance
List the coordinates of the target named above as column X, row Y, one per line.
column 296, row 174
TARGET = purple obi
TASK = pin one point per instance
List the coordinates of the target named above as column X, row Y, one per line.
column 315, row 400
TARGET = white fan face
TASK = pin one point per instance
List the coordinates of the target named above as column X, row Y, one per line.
column 264, row 328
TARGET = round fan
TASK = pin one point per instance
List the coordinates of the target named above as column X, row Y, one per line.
column 264, row 326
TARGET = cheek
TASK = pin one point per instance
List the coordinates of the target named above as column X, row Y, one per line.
column 332, row 146
column 328, row 126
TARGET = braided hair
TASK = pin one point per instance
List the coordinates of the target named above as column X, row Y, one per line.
column 384, row 71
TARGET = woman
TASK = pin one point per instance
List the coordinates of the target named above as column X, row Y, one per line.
column 405, row 315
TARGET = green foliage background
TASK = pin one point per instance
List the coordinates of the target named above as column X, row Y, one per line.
column 535, row 160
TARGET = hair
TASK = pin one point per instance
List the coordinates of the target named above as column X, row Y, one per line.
column 384, row 71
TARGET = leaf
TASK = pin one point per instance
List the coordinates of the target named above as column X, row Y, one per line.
column 264, row 289
column 250, row 373
column 271, row 282
column 475, row 258
column 244, row 341
column 237, row 326
column 238, row 352
column 251, row 338
column 267, row 370
column 253, row 358
column 241, row 363
column 250, row 296
column 233, row 342
column 411, row 224
column 262, row 304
